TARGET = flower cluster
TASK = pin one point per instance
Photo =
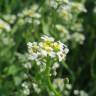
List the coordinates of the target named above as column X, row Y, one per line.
column 10, row 18
column 67, row 8
column 66, row 88
column 68, row 12
column 48, row 47
column 76, row 37
column 64, row 33
column 30, row 15
column 58, row 82
column 25, row 86
column 80, row 93
column 80, row 38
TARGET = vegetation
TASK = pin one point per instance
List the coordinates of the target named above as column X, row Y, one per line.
column 47, row 47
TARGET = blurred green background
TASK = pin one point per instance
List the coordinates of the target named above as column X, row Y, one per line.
column 27, row 20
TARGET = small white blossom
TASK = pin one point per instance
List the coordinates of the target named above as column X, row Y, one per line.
column 4, row 25
column 76, row 92
column 58, row 82
column 69, row 86
column 29, row 44
column 78, row 7
column 10, row 18
column 36, row 22
column 27, row 65
column 78, row 37
column 46, row 38
column 33, row 50
column 26, row 91
column 36, row 88
column 66, row 93
column 25, row 85
column 66, row 50
column 54, row 73
column 83, row 93
column 55, row 66
column 33, row 56
column 61, row 56
column 31, row 12
column 52, row 3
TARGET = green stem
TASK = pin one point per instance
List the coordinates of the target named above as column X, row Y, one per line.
column 50, row 85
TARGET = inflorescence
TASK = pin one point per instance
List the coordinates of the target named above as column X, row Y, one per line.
column 48, row 47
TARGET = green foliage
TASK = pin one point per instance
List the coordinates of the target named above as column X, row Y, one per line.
column 73, row 22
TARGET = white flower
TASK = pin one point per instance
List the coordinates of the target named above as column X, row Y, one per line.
column 36, row 88
column 58, row 82
column 76, row 92
column 10, row 18
column 83, row 93
column 29, row 44
column 52, row 54
column 64, row 33
column 46, row 38
column 54, row 72
column 65, row 12
column 33, row 47
column 78, row 37
column 61, row 56
column 26, row 91
column 44, row 53
column 61, row 28
column 33, row 50
column 27, row 65
column 66, row 50
column 62, row 46
column 55, row 66
column 69, row 86
column 77, row 27
column 38, row 62
column 33, row 56
column 25, row 85
column 78, row 7
column 52, row 3
column 36, row 22
column 4, row 25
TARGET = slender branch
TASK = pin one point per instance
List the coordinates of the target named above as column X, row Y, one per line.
column 50, row 85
